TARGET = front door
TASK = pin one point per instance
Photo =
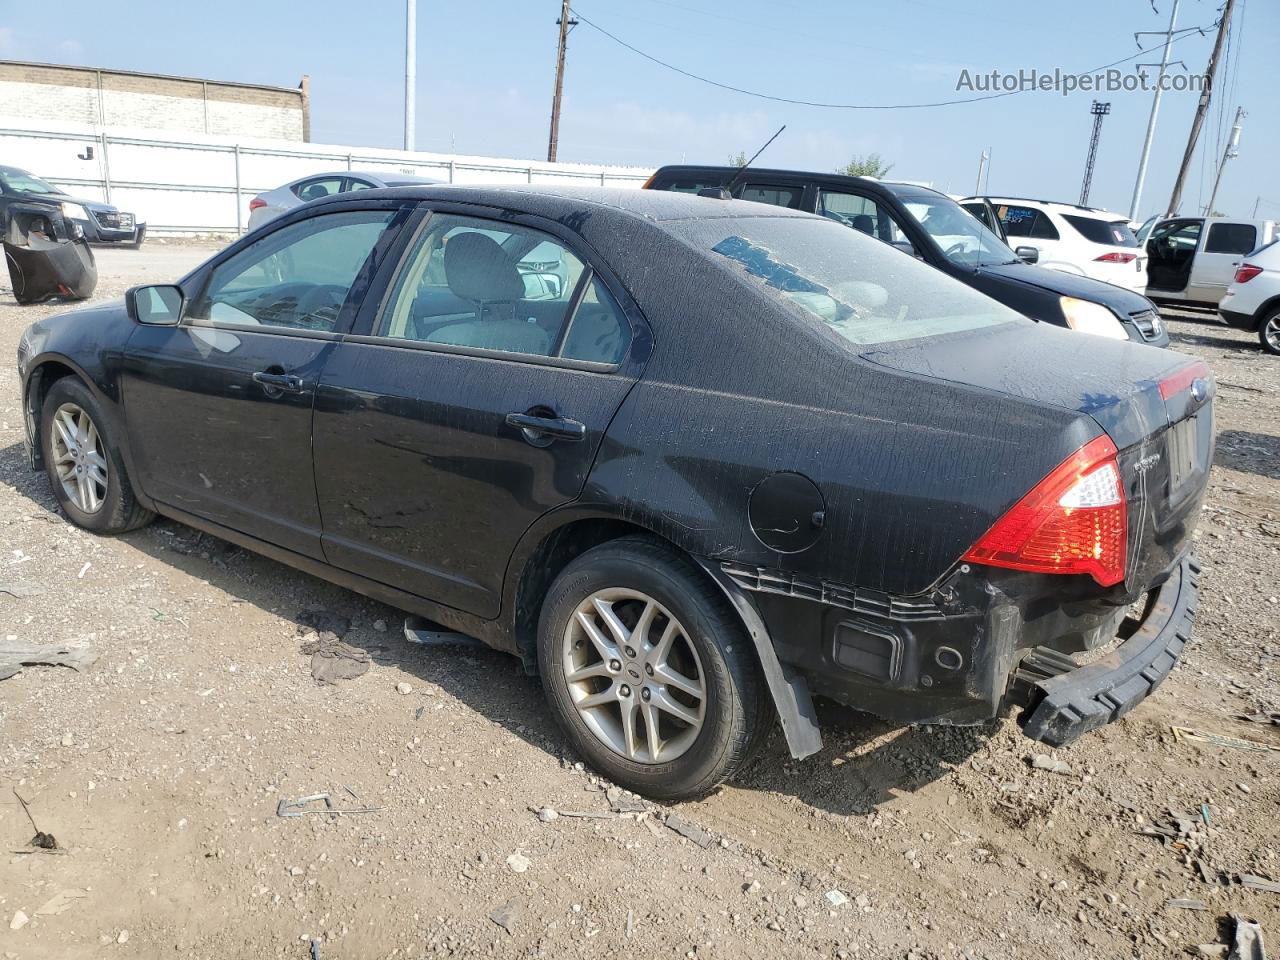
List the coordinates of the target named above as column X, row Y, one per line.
column 476, row 405
column 219, row 407
column 1170, row 252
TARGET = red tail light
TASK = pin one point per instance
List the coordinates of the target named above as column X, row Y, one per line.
column 257, row 203
column 1116, row 258
column 1183, row 377
column 1073, row 521
column 1247, row 272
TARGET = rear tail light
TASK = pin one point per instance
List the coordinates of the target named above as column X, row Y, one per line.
column 1116, row 258
column 1073, row 521
column 257, row 203
column 1247, row 272
column 1184, row 377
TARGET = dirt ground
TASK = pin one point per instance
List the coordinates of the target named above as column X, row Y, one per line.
column 160, row 769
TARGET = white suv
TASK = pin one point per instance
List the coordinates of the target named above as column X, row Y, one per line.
column 1253, row 300
column 1081, row 240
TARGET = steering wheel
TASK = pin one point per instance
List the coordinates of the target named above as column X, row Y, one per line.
column 958, row 247
column 317, row 298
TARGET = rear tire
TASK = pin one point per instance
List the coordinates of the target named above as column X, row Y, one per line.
column 632, row 628
column 1269, row 332
column 83, row 463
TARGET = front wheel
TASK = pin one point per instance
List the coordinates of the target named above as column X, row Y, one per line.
column 648, row 670
column 85, row 468
column 1269, row 332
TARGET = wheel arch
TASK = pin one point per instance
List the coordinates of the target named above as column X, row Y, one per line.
column 1264, row 310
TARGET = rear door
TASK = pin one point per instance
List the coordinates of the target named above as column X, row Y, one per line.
column 472, row 403
column 1215, row 264
column 219, row 407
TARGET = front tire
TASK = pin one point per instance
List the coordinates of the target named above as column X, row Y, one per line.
column 649, row 671
column 83, row 463
column 1269, row 332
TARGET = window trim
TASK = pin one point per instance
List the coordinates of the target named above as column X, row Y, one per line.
column 381, row 316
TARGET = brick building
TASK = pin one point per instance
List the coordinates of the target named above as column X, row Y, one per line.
column 124, row 98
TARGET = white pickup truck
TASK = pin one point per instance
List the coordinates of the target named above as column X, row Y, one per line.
column 1192, row 259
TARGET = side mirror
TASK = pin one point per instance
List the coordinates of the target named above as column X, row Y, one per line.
column 1027, row 254
column 159, row 306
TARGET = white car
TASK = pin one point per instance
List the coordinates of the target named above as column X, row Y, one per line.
column 1191, row 260
column 269, row 205
column 1252, row 302
column 1082, row 240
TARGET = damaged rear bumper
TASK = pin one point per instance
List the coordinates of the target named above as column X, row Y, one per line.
column 1064, row 700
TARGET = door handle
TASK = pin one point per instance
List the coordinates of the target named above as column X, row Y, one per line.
column 542, row 430
column 274, row 384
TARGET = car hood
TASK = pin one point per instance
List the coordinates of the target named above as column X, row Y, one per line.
column 1119, row 299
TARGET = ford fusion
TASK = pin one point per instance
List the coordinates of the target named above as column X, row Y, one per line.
column 693, row 461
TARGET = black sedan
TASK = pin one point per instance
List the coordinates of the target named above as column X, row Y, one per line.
column 691, row 460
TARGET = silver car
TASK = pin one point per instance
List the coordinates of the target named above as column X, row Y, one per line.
column 267, row 206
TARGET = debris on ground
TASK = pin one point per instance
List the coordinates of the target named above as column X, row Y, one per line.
column 1042, row 761
column 323, row 621
column 1221, row 740
column 16, row 654
column 1184, row 904
column 20, row 591
column 61, row 901
column 1261, row 884
column 333, row 660
column 19, row 920
column 1247, row 943
column 295, row 808
column 42, row 840
column 689, row 830
column 518, row 862
column 506, row 915
column 836, row 898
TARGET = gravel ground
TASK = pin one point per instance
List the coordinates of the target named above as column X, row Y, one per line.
column 160, row 768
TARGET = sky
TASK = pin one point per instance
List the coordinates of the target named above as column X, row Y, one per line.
column 486, row 71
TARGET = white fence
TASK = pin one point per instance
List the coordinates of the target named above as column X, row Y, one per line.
column 204, row 184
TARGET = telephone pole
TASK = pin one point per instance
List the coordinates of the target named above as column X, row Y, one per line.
column 1232, row 151
column 1211, row 73
column 1099, row 111
column 410, row 71
column 565, row 23
column 1155, row 109
column 982, row 165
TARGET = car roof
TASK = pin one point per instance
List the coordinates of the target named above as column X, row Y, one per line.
column 1060, row 206
column 895, row 187
column 564, row 199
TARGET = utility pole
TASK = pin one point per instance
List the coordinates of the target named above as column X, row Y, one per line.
column 1232, row 151
column 1155, row 109
column 565, row 23
column 1202, row 108
column 1099, row 111
column 410, row 72
column 982, row 164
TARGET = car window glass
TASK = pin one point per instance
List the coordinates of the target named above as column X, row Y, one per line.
column 1180, row 235
column 1231, row 238
column 864, row 215
column 1113, row 233
column 775, row 195
column 15, row 181
column 962, row 238
column 1026, row 222
column 474, row 283
column 979, row 210
column 317, row 188
column 599, row 331
column 298, row 276
column 353, row 184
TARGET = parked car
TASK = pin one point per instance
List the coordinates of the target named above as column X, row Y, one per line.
column 932, row 227
column 1252, row 301
column 745, row 455
column 99, row 222
column 1193, row 259
column 267, row 206
column 1085, row 241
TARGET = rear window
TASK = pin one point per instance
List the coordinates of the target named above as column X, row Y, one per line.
column 1113, row 233
column 863, row 290
column 1231, row 238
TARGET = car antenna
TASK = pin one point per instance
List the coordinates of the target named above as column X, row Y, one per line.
column 726, row 192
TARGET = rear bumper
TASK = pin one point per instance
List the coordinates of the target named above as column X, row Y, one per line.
column 1241, row 321
column 1064, row 701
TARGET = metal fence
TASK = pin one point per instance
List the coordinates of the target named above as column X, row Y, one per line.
column 185, row 187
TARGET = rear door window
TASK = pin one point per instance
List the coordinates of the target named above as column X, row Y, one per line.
column 1022, row 221
column 318, row 187
column 1231, row 238
column 778, row 196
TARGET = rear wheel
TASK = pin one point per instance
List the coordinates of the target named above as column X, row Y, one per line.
column 85, row 469
column 648, row 670
column 1269, row 332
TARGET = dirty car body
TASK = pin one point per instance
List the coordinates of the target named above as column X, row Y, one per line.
column 842, row 442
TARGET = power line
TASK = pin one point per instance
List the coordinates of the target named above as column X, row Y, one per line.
column 1188, row 31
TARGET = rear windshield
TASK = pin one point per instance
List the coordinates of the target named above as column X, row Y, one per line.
column 864, row 290
column 1114, row 233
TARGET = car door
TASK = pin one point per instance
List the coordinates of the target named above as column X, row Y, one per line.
column 1171, row 248
column 1214, row 266
column 218, row 408
column 474, row 404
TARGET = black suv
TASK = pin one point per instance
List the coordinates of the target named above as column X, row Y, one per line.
column 934, row 228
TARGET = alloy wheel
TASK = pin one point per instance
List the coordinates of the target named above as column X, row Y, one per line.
column 78, row 457
column 634, row 676
column 1271, row 333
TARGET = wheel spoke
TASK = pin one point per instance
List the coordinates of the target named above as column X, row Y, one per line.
column 651, row 731
column 641, row 631
column 605, row 609
column 93, row 458
column 82, row 489
column 658, row 655
column 673, row 678
column 66, row 432
column 629, row 712
column 664, row 702
column 606, row 649
column 597, row 669
column 598, row 699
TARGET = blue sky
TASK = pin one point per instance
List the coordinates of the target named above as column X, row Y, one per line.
column 485, row 71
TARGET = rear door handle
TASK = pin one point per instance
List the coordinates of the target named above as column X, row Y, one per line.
column 278, row 383
column 541, row 431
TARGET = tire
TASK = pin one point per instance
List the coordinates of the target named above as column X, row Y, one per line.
column 1269, row 332
column 708, row 650
column 108, row 507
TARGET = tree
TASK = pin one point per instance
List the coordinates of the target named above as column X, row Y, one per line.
column 739, row 161
column 869, row 166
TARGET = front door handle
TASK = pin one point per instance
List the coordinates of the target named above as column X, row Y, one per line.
column 274, row 384
column 542, row 430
